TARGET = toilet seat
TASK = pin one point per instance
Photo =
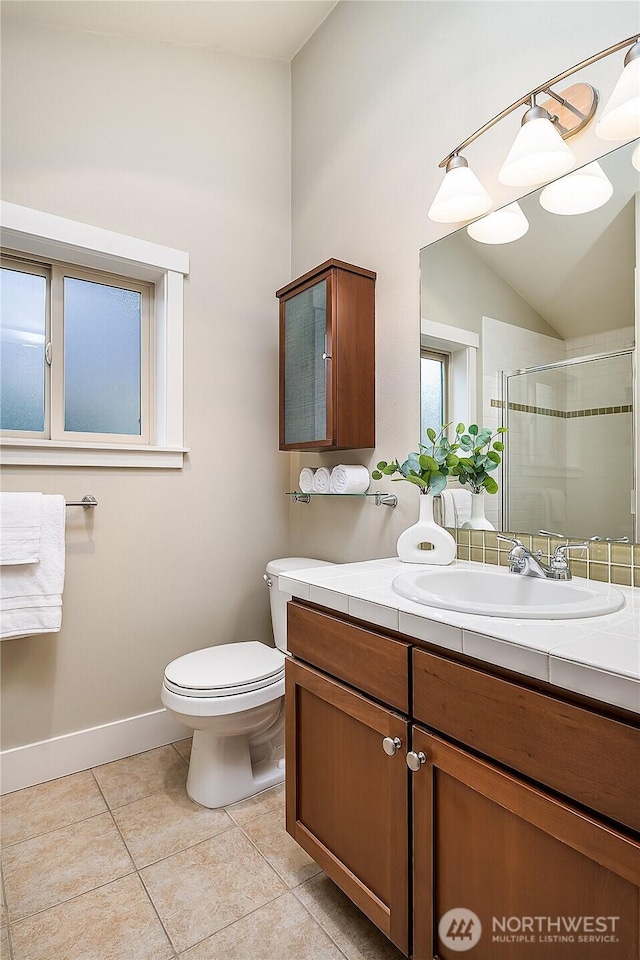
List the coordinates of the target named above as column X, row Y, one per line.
column 225, row 671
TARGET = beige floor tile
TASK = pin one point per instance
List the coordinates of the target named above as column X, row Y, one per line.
column 133, row 778
column 357, row 937
column 283, row 853
column 204, row 888
column 116, row 922
column 184, row 748
column 158, row 826
column 46, row 870
column 4, row 944
column 265, row 802
column 49, row 806
column 281, row 930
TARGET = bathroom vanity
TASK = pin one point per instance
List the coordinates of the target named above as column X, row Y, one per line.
column 430, row 767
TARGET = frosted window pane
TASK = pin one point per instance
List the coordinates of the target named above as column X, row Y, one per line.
column 305, row 375
column 101, row 358
column 432, row 395
column 22, row 364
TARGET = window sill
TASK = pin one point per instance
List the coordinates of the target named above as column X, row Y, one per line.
column 54, row 453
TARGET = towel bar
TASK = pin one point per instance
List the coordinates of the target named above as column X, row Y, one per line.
column 87, row 501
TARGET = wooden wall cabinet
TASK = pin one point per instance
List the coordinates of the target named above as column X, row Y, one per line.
column 535, row 854
column 327, row 359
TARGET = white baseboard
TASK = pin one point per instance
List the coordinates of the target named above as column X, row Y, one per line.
column 49, row 759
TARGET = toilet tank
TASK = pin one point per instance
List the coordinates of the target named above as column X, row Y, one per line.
column 278, row 598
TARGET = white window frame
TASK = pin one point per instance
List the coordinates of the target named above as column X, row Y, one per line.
column 44, row 235
column 463, row 347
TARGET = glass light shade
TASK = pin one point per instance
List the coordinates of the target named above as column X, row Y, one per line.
column 620, row 118
column 635, row 158
column 538, row 153
column 461, row 197
column 582, row 191
column 503, row 226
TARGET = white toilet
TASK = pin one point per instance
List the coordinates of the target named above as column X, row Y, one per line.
column 232, row 696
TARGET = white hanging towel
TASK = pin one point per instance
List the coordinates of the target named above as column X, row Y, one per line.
column 321, row 480
column 20, row 527
column 31, row 593
column 350, row 478
column 305, row 480
column 455, row 507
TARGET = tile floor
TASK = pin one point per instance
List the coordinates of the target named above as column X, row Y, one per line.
column 116, row 863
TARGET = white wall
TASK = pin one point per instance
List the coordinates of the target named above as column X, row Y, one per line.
column 188, row 148
column 380, row 94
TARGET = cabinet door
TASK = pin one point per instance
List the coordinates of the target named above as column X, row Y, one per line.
column 543, row 881
column 305, row 367
column 347, row 800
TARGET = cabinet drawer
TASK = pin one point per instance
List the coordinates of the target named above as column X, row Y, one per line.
column 368, row 661
column 591, row 758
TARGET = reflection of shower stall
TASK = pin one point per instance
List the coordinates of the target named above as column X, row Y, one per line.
column 569, row 463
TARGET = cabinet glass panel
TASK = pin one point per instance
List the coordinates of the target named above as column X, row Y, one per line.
column 305, row 377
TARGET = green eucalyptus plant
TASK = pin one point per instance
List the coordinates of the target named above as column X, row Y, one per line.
column 482, row 450
column 429, row 467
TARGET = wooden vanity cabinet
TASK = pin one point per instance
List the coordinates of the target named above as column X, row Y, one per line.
column 327, row 359
column 524, row 861
column 521, row 807
column 348, row 799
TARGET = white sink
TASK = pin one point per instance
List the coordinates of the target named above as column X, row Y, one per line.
column 495, row 592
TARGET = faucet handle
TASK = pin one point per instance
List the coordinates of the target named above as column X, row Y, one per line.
column 609, row 540
column 563, row 547
column 550, row 533
column 512, row 540
column 559, row 558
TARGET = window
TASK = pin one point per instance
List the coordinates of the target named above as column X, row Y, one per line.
column 433, row 390
column 74, row 353
column 91, row 352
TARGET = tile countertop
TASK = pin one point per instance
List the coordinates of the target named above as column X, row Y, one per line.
column 596, row 656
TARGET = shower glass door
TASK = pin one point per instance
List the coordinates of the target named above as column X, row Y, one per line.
column 569, row 467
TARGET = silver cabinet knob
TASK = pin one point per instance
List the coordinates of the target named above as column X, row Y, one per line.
column 391, row 745
column 415, row 760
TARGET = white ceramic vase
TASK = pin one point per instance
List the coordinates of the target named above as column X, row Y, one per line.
column 478, row 520
column 426, row 530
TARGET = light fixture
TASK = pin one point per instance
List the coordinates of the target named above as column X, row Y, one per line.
column 620, row 118
column 635, row 158
column 502, row 226
column 539, row 153
column 461, row 195
column 582, row 191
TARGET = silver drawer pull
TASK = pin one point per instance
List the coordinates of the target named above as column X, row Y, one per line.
column 391, row 745
column 415, row 760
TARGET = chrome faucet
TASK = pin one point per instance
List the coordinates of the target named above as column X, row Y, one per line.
column 528, row 564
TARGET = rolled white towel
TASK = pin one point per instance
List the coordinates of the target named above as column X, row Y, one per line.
column 350, row 478
column 321, row 480
column 305, row 480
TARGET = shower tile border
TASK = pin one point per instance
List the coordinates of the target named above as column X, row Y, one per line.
column 565, row 414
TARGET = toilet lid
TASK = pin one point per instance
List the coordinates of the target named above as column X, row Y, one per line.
column 223, row 671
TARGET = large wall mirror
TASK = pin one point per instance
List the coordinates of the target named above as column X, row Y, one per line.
column 539, row 335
